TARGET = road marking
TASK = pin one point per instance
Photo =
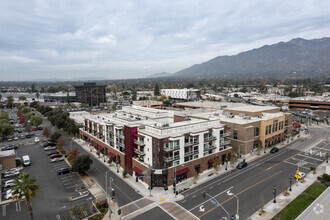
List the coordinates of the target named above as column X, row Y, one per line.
column 213, row 196
column 58, row 217
column 219, row 184
column 296, row 165
column 201, row 208
column 183, row 201
column 122, row 191
column 237, row 194
column 4, row 210
column 18, row 206
column 311, row 157
column 193, row 196
column 211, row 187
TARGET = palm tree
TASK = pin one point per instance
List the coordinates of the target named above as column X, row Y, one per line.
column 37, row 94
column 26, row 188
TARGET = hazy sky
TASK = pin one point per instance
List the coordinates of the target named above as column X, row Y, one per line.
column 129, row 39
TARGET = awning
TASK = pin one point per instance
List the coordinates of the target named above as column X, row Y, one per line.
column 257, row 142
column 179, row 172
column 269, row 139
column 135, row 169
column 100, row 147
column 87, row 139
column 211, row 160
column 276, row 136
column 112, row 155
column 94, row 144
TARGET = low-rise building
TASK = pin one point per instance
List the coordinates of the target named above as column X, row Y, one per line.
column 7, row 160
column 137, row 137
column 182, row 94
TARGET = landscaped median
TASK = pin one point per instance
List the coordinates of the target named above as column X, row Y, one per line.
column 299, row 204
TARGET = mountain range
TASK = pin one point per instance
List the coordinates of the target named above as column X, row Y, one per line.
column 295, row 58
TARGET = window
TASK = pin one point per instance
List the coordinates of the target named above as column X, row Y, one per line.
column 266, row 130
column 235, row 134
column 270, row 129
column 274, row 128
column 257, row 132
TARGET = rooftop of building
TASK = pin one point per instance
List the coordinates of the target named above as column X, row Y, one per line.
column 253, row 108
column 7, row 153
column 210, row 104
column 185, row 89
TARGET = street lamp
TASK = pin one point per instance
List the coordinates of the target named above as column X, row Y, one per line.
column 274, row 192
column 290, row 180
column 226, row 163
column 109, row 194
column 232, row 194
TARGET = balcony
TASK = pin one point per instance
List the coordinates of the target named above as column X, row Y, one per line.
column 211, row 138
column 120, row 144
column 223, row 143
column 190, row 153
column 139, row 143
column 191, row 143
column 139, row 152
column 169, row 159
column 209, row 147
column 120, row 136
column 226, row 134
column 168, row 149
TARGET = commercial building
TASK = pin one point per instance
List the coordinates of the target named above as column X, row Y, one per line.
column 91, row 94
column 137, row 137
column 316, row 104
column 60, row 97
column 182, row 94
column 7, row 160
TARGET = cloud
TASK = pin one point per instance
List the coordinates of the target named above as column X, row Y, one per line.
column 123, row 39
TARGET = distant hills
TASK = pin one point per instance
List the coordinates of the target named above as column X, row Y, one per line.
column 157, row 75
column 295, row 58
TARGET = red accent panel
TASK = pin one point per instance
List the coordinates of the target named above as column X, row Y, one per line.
column 112, row 154
column 211, row 160
column 100, row 147
column 135, row 169
column 179, row 172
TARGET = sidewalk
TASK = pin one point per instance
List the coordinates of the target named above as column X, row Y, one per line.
column 158, row 194
column 271, row 209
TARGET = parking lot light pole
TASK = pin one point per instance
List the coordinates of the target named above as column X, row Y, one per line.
column 232, row 194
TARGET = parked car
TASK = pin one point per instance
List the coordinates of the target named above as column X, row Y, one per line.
column 36, row 140
column 242, row 165
column 50, row 148
column 10, row 147
column 35, row 129
column 9, row 183
column 301, row 175
column 49, row 144
column 40, row 128
column 26, row 160
column 12, row 170
column 56, row 155
column 22, row 136
column 9, row 139
column 274, row 150
column 28, row 136
column 56, row 159
column 64, row 170
column 15, row 138
column 9, row 194
column 52, row 152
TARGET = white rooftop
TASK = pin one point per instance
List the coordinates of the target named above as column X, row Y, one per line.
column 253, row 108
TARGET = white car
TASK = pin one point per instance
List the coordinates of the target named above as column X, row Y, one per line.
column 9, row 183
column 301, row 175
column 36, row 140
column 56, row 159
column 49, row 148
column 12, row 170
column 15, row 138
column 9, row 194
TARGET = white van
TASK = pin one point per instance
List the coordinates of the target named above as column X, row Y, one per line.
column 26, row 160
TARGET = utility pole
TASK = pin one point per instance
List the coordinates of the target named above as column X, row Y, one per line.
column 232, row 194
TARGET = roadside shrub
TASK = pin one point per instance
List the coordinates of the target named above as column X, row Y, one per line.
column 124, row 173
column 326, row 177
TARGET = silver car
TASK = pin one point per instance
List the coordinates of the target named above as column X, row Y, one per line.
column 56, row 159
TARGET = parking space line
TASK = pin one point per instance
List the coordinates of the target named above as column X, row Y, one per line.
column 18, row 206
column 68, row 184
column 4, row 210
column 69, row 187
column 58, row 217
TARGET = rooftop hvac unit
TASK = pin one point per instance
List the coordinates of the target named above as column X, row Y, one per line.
column 216, row 114
column 242, row 115
column 187, row 119
column 259, row 116
column 165, row 125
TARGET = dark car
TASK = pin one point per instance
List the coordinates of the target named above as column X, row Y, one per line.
column 28, row 136
column 56, row 155
column 64, row 170
column 274, row 150
column 40, row 128
column 10, row 147
column 52, row 152
column 242, row 165
column 49, row 144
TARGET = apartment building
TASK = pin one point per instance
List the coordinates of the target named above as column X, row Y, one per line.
column 250, row 127
column 138, row 137
column 182, row 94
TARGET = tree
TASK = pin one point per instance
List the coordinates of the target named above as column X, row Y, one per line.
column 68, row 98
column 37, row 95
column 6, row 129
column 54, row 137
column 28, row 127
column 10, row 98
column 233, row 156
column 216, row 164
column 46, row 132
column 4, row 115
column 0, row 96
column 26, row 188
column 22, row 98
column 82, row 164
column 156, row 90
column 36, row 121
column 60, row 141
column 73, row 154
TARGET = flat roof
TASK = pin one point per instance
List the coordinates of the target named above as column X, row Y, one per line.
column 253, row 108
column 7, row 153
column 210, row 104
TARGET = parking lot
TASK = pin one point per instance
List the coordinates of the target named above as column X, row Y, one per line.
column 52, row 201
